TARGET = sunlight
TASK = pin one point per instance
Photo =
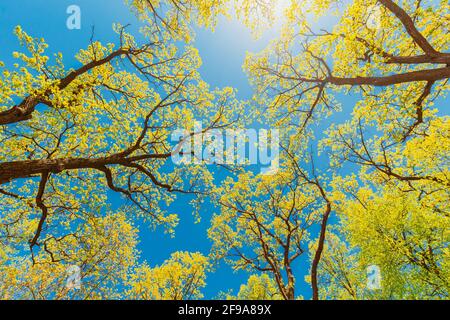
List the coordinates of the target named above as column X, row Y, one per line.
column 224, row 150
column 280, row 7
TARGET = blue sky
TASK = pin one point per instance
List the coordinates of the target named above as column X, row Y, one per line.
column 222, row 53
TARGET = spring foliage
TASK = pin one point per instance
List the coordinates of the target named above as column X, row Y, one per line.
column 370, row 190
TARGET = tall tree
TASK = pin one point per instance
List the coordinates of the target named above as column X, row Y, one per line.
column 69, row 135
column 179, row 278
column 265, row 221
column 394, row 61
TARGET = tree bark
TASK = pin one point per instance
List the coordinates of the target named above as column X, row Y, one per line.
column 318, row 254
column 408, row 23
column 23, row 169
column 422, row 75
column 24, row 110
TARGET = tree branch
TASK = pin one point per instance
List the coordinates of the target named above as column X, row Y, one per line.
column 422, row 75
column 23, row 111
column 408, row 23
column 42, row 206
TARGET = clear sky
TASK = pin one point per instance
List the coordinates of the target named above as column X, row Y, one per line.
column 222, row 53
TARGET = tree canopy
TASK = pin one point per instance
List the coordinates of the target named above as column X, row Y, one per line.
column 372, row 189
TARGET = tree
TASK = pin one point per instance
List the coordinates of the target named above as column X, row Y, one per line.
column 397, row 69
column 258, row 287
column 265, row 220
column 398, row 219
column 103, row 248
column 340, row 274
column 73, row 128
column 401, row 235
column 176, row 17
column 397, row 66
column 179, row 278
column 71, row 136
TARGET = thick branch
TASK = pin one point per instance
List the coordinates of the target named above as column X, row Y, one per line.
column 408, row 23
column 442, row 58
column 422, row 75
column 319, row 250
column 23, row 111
column 42, row 206
column 24, row 169
column 324, row 223
column 419, row 110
